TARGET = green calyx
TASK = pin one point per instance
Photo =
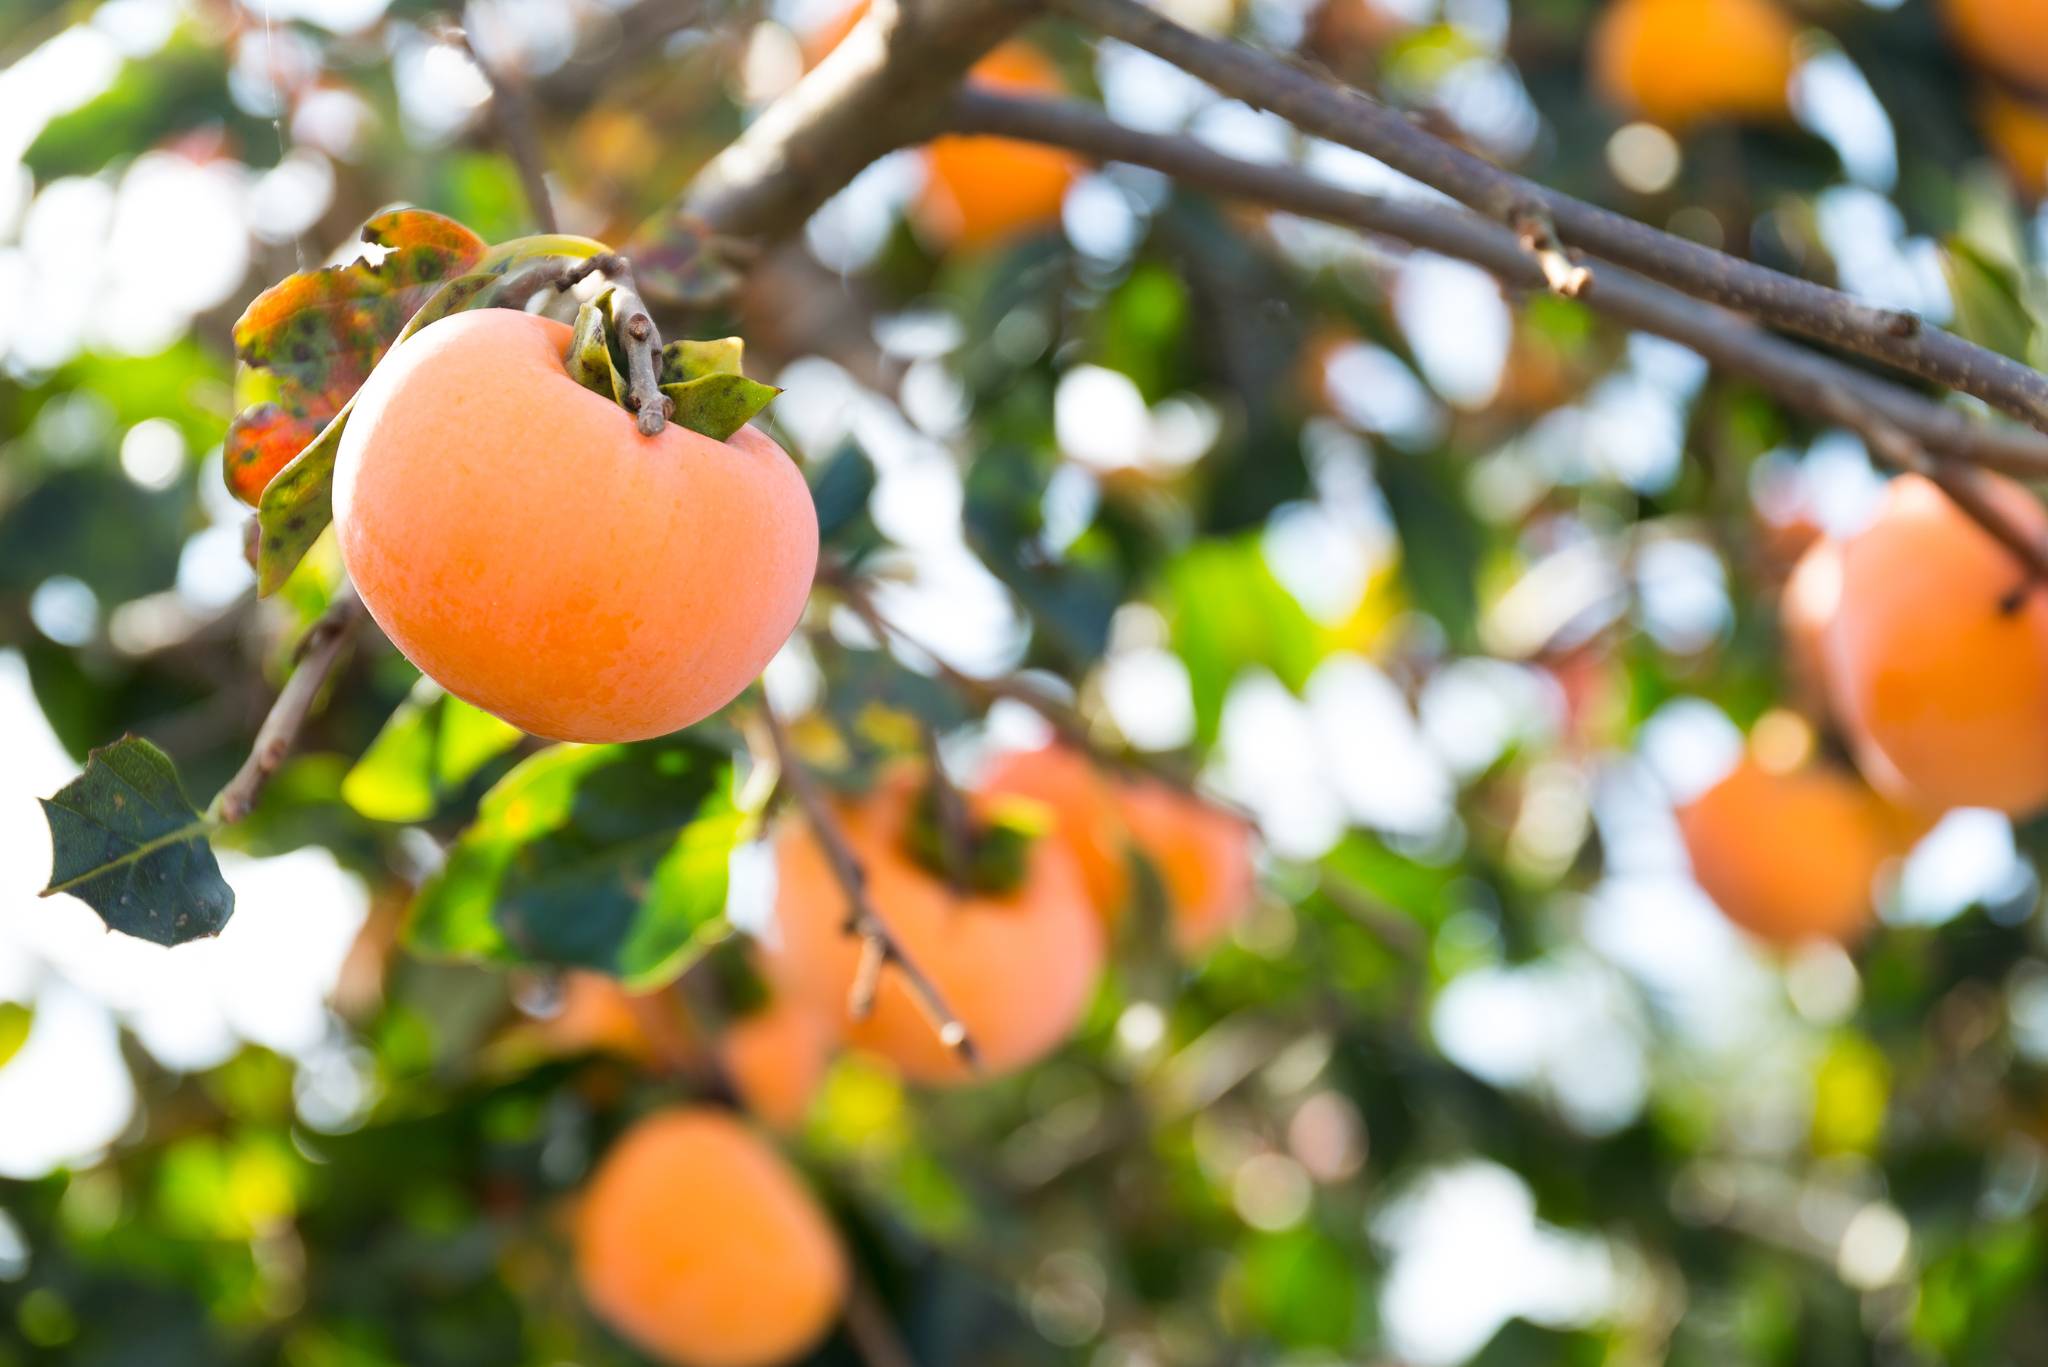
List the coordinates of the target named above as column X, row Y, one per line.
column 702, row 379
column 987, row 854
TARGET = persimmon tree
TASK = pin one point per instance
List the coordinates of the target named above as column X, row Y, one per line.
column 1090, row 1045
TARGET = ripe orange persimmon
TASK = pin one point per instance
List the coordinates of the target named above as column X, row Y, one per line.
column 2009, row 36
column 1938, row 653
column 697, row 1241
column 775, row 1057
column 1017, row 968
column 1086, row 816
column 1203, row 855
column 514, row 534
column 2018, row 131
column 980, row 191
column 1682, row 62
column 1806, row 605
column 1792, row 855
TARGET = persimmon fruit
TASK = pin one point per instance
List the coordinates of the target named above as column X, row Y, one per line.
column 2017, row 130
column 520, row 541
column 1684, row 62
column 1203, row 855
column 697, row 1241
column 1789, row 856
column 775, row 1057
column 1086, row 816
column 1016, row 967
column 2008, row 36
column 981, row 191
column 1937, row 652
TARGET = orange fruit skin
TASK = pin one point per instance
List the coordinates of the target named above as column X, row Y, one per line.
column 1683, row 62
column 1806, row 605
column 775, row 1059
column 520, row 541
column 696, row 1241
column 1203, row 854
column 1017, row 968
column 2018, row 131
column 1929, row 669
column 1086, row 816
column 2009, row 36
column 1788, row 857
column 980, row 191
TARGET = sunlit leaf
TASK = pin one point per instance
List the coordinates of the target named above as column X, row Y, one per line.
column 128, row 843
column 718, row 405
column 15, row 1020
column 590, row 354
column 433, row 745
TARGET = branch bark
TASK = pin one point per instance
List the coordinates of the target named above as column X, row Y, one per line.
column 882, row 88
column 1794, row 373
column 1343, row 115
column 879, row 948
column 319, row 653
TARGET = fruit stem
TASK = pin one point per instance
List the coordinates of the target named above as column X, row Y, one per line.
column 641, row 341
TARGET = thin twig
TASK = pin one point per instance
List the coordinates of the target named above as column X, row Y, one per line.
column 318, row 654
column 879, row 947
column 513, row 116
column 868, row 1324
column 1538, row 236
column 641, row 341
column 1794, row 373
column 1326, row 109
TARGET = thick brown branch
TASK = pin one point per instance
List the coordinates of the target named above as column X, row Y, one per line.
column 880, row 89
column 879, row 948
column 1794, row 373
column 1342, row 115
column 319, row 653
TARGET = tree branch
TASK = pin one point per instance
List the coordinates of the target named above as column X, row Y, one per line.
column 1343, row 115
column 880, row 89
column 1794, row 373
column 879, row 948
column 512, row 116
column 319, row 652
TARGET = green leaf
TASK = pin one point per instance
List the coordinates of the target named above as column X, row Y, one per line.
column 1990, row 309
column 15, row 1020
column 840, row 488
column 590, row 351
column 608, row 857
column 297, row 503
column 433, row 745
column 718, row 405
column 152, row 100
column 128, row 843
column 1227, row 613
column 690, row 360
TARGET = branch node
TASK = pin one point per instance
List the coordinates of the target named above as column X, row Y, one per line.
column 1538, row 235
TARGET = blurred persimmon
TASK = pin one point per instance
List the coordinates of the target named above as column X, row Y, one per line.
column 2017, row 130
column 980, row 191
column 695, row 1240
column 1937, row 652
column 1683, row 62
column 2009, row 36
column 1203, row 855
column 1016, row 966
column 775, row 1056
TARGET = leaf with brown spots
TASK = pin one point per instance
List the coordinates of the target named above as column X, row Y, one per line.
column 307, row 343
column 296, row 505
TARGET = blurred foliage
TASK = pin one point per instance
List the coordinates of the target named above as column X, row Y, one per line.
column 1229, row 1162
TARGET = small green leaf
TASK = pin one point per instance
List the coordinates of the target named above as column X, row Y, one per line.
column 590, row 352
column 15, row 1020
column 718, row 405
column 432, row 745
column 128, row 843
column 297, row 503
column 840, row 488
column 609, row 857
column 688, row 360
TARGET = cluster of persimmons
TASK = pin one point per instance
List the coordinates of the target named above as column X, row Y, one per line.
column 694, row 1238
column 1923, row 643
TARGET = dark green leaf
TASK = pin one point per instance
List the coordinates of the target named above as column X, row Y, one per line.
column 607, row 857
column 718, row 405
column 128, row 843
